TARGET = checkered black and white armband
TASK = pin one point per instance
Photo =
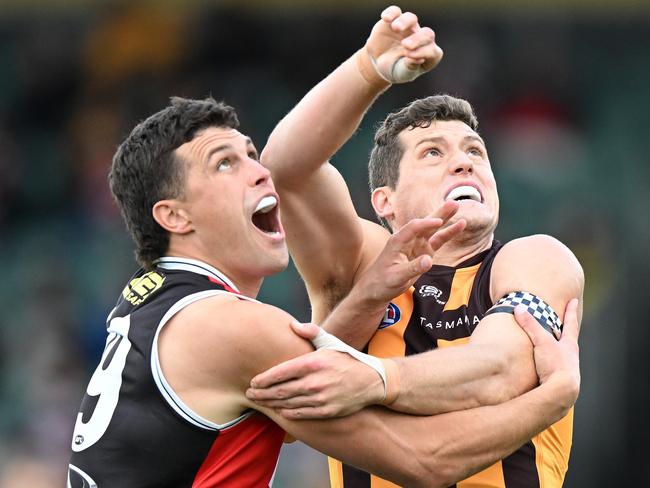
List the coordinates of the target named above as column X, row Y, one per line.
column 538, row 308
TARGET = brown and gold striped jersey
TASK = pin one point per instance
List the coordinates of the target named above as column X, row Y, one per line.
column 442, row 309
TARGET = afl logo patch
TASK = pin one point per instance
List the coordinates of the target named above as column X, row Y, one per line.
column 391, row 317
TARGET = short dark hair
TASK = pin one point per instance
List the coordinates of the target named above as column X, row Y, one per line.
column 383, row 167
column 146, row 170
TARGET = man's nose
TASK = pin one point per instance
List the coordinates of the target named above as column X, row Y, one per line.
column 461, row 163
column 260, row 174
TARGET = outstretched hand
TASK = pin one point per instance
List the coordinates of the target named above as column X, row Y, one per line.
column 409, row 253
column 401, row 50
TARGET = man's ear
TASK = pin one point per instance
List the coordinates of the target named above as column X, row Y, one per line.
column 172, row 217
column 382, row 202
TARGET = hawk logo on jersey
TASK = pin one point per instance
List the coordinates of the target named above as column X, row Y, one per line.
column 139, row 289
column 391, row 317
column 431, row 291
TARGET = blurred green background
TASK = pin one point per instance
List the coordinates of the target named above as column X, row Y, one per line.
column 562, row 92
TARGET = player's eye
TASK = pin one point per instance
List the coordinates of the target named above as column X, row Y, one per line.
column 224, row 164
column 475, row 151
column 433, row 152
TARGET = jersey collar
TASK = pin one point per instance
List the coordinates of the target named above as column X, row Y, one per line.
column 194, row 266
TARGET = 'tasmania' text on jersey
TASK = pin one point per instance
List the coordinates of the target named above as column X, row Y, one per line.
column 133, row 430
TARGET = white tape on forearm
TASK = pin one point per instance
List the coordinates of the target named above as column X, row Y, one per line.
column 324, row 340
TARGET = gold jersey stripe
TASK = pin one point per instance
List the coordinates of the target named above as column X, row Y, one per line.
column 376, row 482
column 442, row 343
column 336, row 473
column 491, row 477
column 552, row 448
column 461, row 287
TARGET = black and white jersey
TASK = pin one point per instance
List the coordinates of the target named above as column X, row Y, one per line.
column 132, row 429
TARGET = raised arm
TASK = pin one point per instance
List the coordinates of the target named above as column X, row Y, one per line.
column 330, row 113
column 494, row 366
column 327, row 240
column 210, row 370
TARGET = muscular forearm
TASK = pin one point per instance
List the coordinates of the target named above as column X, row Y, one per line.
column 321, row 123
column 459, row 378
column 440, row 450
column 493, row 367
column 445, row 380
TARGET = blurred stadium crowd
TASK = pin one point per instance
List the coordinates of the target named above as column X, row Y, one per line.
column 563, row 102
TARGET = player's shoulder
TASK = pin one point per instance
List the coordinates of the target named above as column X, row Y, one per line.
column 536, row 260
column 217, row 312
column 538, row 249
column 374, row 230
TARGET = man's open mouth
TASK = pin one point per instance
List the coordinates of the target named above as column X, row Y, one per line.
column 265, row 217
column 465, row 192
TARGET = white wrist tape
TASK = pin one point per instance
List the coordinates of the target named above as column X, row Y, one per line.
column 324, row 340
column 401, row 73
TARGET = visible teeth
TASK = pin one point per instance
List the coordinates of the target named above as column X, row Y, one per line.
column 464, row 191
column 266, row 204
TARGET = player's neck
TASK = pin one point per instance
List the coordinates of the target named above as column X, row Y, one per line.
column 461, row 249
column 246, row 285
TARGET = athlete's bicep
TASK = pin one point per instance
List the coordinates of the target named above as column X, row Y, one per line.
column 259, row 337
column 539, row 266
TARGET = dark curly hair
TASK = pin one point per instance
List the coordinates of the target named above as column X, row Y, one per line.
column 146, row 170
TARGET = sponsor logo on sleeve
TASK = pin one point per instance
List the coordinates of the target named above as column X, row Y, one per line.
column 391, row 317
